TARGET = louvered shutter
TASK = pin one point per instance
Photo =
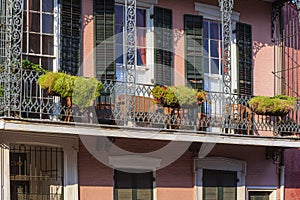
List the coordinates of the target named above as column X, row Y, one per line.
column 163, row 53
column 104, row 42
column 194, row 50
column 70, row 36
column 219, row 185
column 244, row 56
column 132, row 186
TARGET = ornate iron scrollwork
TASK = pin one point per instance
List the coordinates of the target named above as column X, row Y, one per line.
column 226, row 10
column 130, row 56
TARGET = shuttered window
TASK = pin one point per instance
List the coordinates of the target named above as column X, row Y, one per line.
column 70, row 36
column 163, row 53
column 259, row 195
column 244, row 57
column 194, row 50
column 219, row 185
column 104, row 42
column 133, row 186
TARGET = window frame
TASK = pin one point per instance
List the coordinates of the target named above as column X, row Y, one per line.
column 55, row 34
column 211, row 12
column 272, row 190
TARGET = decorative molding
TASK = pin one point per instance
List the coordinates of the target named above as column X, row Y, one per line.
column 134, row 162
column 221, row 163
column 141, row 3
column 213, row 12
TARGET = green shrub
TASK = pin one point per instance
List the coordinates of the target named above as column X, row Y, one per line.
column 85, row 91
column 277, row 105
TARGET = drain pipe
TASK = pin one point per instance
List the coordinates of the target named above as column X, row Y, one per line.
column 281, row 174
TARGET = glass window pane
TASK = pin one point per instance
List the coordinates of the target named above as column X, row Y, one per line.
column 215, row 66
column 33, row 59
column 34, row 43
column 47, row 23
column 25, row 4
column 34, row 22
column 205, row 47
column 214, row 30
column 140, row 18
column 34, row 5
column 214, row 48
column 47, row 5
column 119, row 14
column 48, row 45
column 205, row 29
column 47, row 63
column 206, row 65
column 24, row 45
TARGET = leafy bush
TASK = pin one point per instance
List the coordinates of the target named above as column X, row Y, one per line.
column 83, row 90
column 177, row 96
column 277, row 105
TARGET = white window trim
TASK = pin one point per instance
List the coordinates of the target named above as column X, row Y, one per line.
column 220, row 163
column 211, row 12
column 271, row 189
column 134, row 162
column 140, row 3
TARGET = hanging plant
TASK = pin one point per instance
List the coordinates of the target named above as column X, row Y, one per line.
column 279, row 105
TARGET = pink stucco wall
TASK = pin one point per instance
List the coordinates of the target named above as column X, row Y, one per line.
column 260, row 172
column 258, row 14
column 292, row 174
column 176, row 181
column 88, row 38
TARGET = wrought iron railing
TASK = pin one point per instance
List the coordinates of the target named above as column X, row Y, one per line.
column 225, row 113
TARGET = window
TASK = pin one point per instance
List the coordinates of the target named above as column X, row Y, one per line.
column 259, row 195
column 132, row 186
column 140, row 40
column 212, row 34
column 219, row 185
column 38, row 32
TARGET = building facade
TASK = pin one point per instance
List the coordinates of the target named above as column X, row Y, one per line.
column 126, row 144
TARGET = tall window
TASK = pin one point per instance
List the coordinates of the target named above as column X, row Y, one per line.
column 120, row 43
column 212, row 33
column 38, row 32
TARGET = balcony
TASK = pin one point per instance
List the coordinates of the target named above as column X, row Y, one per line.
column 220, row 113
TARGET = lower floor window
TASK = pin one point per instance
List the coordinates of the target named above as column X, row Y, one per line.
column 219, row 185
column 259, row 195
column 36, row 172
column 133, row 186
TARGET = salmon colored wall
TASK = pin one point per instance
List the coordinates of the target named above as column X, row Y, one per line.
column 258, row 14
column 292, row 174
column 260, row 172
column 174, row 182
column 179, row 9
column 95, row 179
column 88, row 38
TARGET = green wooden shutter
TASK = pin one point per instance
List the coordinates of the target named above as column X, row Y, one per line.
column 244, row 56
column 163, row 53
column 70, row 36
column 133, row 186
column 104, row 20
column 219, row 185
column 259, row 195
column 194, row 50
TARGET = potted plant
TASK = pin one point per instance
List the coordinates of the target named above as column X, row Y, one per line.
column 82, row 90
column 177, row 96
column 278, row 105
